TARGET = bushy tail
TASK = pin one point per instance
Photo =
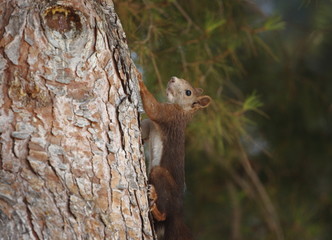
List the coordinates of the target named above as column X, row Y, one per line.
column 176, row 229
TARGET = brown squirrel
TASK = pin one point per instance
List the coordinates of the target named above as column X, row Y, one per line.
column 165, row 132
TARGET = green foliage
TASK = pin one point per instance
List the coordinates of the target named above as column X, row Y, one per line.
column 212, row 23
column 252, row 103
column 274, row 23
column 258, row 159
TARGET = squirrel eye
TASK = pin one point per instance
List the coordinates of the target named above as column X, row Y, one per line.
column 188, row 92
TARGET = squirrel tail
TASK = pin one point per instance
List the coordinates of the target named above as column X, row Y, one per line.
column 176, row 229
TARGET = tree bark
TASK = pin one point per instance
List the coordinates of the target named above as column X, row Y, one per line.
column 71, row 159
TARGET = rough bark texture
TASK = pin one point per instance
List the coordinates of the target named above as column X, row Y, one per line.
column 71, row 162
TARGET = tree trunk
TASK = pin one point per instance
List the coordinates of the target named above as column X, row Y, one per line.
column 71, row 160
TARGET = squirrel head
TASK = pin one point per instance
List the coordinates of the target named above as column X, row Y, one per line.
column 180, row 92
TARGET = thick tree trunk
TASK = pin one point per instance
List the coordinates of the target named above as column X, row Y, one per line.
column 71, row 162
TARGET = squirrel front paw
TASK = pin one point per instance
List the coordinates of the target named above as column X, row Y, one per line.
column 139, row 76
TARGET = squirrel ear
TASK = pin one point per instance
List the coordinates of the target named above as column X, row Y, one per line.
column 199, row 91
column 202, row 102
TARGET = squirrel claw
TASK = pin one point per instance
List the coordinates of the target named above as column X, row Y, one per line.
column 152, row 194
column 139, row 76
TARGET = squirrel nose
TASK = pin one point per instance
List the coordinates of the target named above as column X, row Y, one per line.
column 173, row 79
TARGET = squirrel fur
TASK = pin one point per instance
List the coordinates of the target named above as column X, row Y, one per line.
column 165, row 133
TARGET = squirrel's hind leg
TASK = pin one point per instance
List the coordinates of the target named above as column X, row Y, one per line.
column 163, row 193
column 152, row 194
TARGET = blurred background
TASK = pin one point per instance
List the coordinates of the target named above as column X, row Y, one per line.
column 259, row 159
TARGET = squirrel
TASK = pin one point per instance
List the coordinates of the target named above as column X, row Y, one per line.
column 165, row 133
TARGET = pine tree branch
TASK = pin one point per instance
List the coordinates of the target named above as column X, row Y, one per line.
column 272, row 218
